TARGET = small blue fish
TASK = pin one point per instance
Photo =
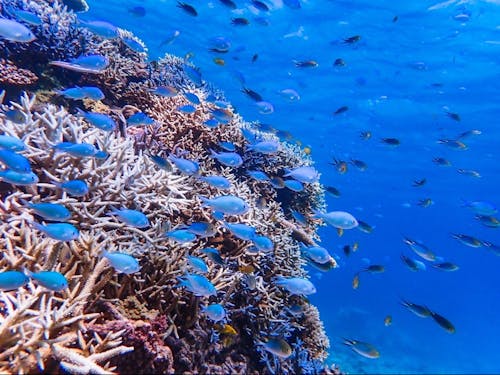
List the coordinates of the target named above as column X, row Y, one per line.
column 122, row 262
column 11, row 143
column 294, row 185
column 94, row 64
column 296, row 285
column 17, row 178
column 227, row 204
column 199, row 285
column 188, row 108
column 139, row 119
column 79, row 93
column 49, row 211
column 99, row 120
column 219, row 182
column 301, row 219
column 229, row 159
column 265, row 108
column 263, row 243
column 104, row 29
column 165, row 91
column 15, row 162
column 258, row 175
column 242, row 231
column 79, row 150
column 197, row 263
column 305, row 174
column 49, row 279
column 222, row 115
column 134, row 45
column 337, row 219
column 202, row 228
column 10, row 280
column 193, row 74
column 181, row 235
column 58, row 231
column 215, row 312
column 27, row 17
column 161, row 162
column 211, row 123
column 213, row 254
column 192, row 98
column 316, row 253
column 76, row 188
column 186, row 166
column 481, row 207
column 133, row 218
column 249, row 135
column 15, row 31
column 228, row 146
column 264, row 147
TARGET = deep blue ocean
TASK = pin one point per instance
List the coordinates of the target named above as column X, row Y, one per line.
column 422, row 71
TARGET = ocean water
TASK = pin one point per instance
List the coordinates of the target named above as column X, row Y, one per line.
column 415, row 61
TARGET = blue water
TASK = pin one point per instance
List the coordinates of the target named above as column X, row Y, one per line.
column 388, row 84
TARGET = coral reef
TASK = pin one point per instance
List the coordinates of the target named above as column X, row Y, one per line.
column 145, row 322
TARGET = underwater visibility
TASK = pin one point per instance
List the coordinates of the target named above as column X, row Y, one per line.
column 249, row 186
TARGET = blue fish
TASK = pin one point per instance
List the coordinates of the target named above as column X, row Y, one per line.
column 264, row 147
column 219, row 182
column 301, row 219
column 305, row 174
column 99, row 120
column 294, row 185
column 133, row 45
column 215, row 312
column 296, row 285
column 79, row 93
column 122, row 262
column 228, row 146
column 265, row 108
column 76, row 188
column 79, row 150
column 316, row 253
column 161, row 162
column 242, row 231
column 249, row 135
column 15, row 32
column 181, row 235
column 165, row 91
column 186, row 166
column 16, row 116
column 15, row 162
column 263, row 243
column 11, row 143
column 213, row 254
column 222, row 115
column 258, row 175
column 197, row 263
column 10, row 280
column 140, row 118
column 193, row 74
column 192, row 98
column 27, row 17
column 133, row 218
column 104, row 29
column 94, row 64
column 211, row 123
column 199, row 285
column 202, row 228
column 17, row 178
column 188, row 108
column 58, row 231
column 229, row 159
column 49, row 279
column 227, row 204
column 49, row 211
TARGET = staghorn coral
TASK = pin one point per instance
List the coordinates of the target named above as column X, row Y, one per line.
column 144, row 322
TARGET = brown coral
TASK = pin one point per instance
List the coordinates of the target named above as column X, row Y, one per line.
column 12, row 75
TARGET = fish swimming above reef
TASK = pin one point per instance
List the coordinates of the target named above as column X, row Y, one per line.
column 11, row 143
column 199, row 285
column 52, row 280
column 49, row 211
column 78, row 93
column 296, row 285
column 14, row 31
column 215, row 312
column 99, row 120
column 94, row 64
column 10, row 280
column 14, row 161
column 104, row 29
column 76, row 188
column 277, row 346
column 122, row 262
column 337, row 219
column 133, row 218
column 364, row 349
column 58, row 231
column 18, row 178
column 227, row 204
column 305, row 174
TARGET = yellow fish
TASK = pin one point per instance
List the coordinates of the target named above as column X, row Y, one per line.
column 219, row 61
column 340, row 232
column 355, row 281
column 388, row 320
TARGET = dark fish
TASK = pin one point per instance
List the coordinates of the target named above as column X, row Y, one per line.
column 410, row 263
column 418, row 183
column 76, row 5
column 341, row 110
column 443, row 322
column 333, row 191
column 375, row 268
column 453, row 116
column 489, row 221
column 418, row 310
column 395, row 19
column 229, row 3
column 137, row 11
column 306, row 64
column 189, row 9
column 252, row 94
column 347, row 250
column 391, row 141
column 445, row 266
column 339, row 62
column 360, row 164
column 352, row 39
column 365, row 135
column 240, row 21
column 441, row 161
column 260, row 5
column 255, row 57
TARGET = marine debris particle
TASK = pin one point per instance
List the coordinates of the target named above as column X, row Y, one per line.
column 112, row 244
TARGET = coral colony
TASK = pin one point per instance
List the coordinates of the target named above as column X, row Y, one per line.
column 132, row 240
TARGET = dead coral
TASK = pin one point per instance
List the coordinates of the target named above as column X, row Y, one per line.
column 11, row 75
